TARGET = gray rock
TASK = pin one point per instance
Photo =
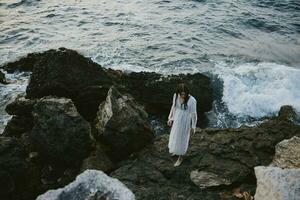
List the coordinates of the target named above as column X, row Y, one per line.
column 91, row 185
column 287, row 153
column 59, row 132
column 122, row 124
column 277, row 184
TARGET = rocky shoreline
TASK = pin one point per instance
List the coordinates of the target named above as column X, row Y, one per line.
column 77, row 115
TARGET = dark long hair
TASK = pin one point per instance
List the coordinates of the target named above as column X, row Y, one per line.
column 182, row 87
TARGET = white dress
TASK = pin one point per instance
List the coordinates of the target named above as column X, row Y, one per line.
column 184, row 120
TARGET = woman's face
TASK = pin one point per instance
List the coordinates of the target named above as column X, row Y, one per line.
column 182, row 94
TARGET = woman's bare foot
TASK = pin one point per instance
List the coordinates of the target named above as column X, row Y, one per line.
column 179, row 161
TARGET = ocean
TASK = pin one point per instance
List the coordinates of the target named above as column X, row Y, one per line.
column 250, row 48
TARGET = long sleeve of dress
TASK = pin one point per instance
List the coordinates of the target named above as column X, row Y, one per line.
column 171, row 114
column 193, row 113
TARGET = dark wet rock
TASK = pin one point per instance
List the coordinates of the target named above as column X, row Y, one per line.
column 122, row 124
column 2, row 78
column 13, row 167
column 91, row 184
column 23, row 64
column 287, row 113
column 18, row 125
column 22, row 119
column 64, row 72
column 20, row 106
column 89, row 99
column 229, row 154
column 59, row 132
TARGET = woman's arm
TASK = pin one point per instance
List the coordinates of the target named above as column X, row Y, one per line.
column 193, row 113
column 171, row 114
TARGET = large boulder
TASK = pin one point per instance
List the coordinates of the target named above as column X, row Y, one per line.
column 122, row 124
column 64, row 72
column 277, row 184
column 59, row 131
column 13, row 167
column 91, row 184
column 217, row 161
column 281, row 179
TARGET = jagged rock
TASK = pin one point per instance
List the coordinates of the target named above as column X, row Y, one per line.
column 230, row 154
column 13, row 167
column 20, row 106
column 287, row 113
column 122, row 124
column 91, row 184
column 59, row 132
column 24, row 64
column 287, row 154
column 277, row 184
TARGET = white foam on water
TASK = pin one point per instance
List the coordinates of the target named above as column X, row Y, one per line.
column 259, row 89
column 127, row 68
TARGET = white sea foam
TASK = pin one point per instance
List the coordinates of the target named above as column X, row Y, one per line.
column 259, row 89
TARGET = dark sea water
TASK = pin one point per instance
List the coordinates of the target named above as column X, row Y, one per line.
column 250, row 48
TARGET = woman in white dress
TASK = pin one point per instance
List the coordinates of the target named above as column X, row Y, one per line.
column 183, row 120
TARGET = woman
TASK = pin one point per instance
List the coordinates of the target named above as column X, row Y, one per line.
column 183, row 119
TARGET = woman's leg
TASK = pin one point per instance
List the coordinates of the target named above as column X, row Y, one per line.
column 179, row 161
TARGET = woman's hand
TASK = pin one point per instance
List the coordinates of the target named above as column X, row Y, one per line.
column 170, row 122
